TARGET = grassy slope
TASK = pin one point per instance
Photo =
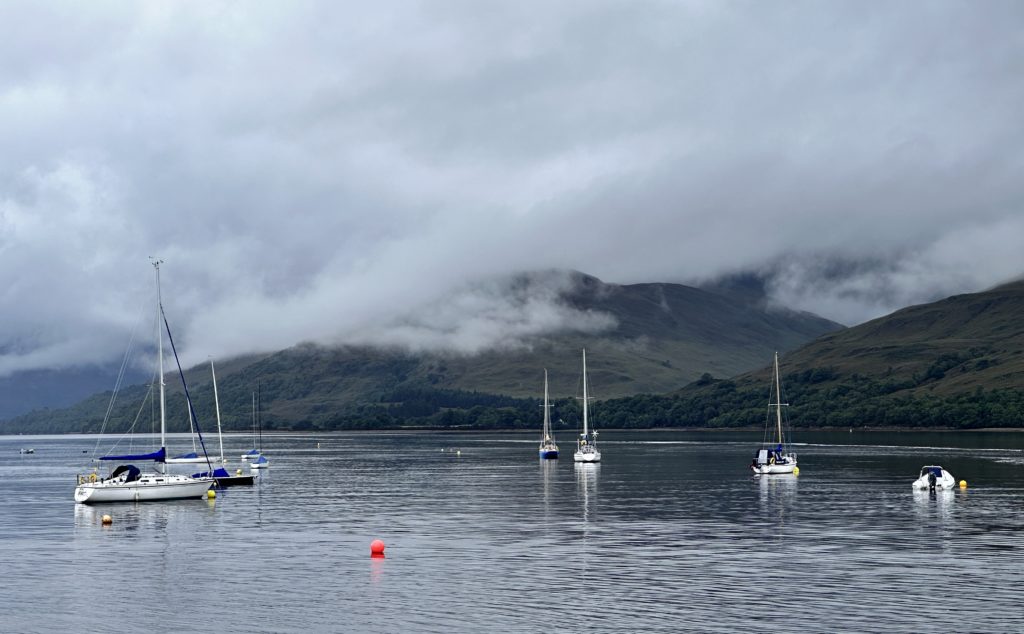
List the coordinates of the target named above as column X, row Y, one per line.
column 949, row 347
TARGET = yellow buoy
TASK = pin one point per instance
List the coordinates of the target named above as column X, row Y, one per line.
column 963, row 484
column 211, row 494
column 106, row 519
column 238, row 472
column 796, row 470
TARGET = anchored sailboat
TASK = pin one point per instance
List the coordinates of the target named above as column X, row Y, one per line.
column 127, row 483
column 774, row 455
column 548, row 448
column 259, row 461
column 586, row 445
column 253, row 453
column 220, row 474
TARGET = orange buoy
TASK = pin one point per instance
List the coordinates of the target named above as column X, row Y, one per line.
column 377, row 547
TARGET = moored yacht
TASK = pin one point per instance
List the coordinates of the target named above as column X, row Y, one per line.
column 934, row 477
column 774, row 456
column 548, row 448
column 127, row 483
column 586, row 444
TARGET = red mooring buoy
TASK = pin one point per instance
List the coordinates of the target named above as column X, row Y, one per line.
column 376, row 547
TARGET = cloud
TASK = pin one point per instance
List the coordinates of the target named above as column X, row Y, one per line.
column 330, row 172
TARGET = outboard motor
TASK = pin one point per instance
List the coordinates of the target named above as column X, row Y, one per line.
column 931, row 480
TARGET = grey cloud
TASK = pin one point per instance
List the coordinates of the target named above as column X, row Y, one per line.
column 323, row 171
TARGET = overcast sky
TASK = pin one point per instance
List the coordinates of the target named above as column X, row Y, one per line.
column 341, row 171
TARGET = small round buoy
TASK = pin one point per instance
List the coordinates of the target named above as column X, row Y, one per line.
column 796, row 470
column 107, row 519
column 963, row 484
column 376, row 547
column 458, row 453
column 238, row 472
column 211, row 494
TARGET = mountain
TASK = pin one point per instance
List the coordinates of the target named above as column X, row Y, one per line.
column 958, row 363
column 658, row 338
column 34, row 389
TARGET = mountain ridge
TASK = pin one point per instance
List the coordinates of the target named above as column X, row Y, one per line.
column 663, row 336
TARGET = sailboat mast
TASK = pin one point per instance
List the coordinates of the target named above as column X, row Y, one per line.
column 778, row 398
column 160, row 355
column 216, row 406
column 585, row 396
column 547, row 408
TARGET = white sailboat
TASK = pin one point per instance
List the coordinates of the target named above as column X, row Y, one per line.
column 193, row 457
column 774, row 456
column 586, row 444
column 548, row 448
column 259, row 461
column 127, row 483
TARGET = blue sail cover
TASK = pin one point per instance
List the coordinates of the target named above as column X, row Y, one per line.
column 219, row 472
column 132, row 471
column 189, row 455
column 158, row 456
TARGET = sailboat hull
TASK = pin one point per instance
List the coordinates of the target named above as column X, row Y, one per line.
column 153, row 487
column 548, row 454
column 235, row 480
column 773, row 469
column 590, row 456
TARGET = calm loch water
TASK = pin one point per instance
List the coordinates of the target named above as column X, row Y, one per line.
column 669, row 533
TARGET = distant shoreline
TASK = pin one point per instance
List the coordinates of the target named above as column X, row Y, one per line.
column 464, row 430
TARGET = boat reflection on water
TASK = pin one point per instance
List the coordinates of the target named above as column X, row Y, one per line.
column 586, row 485
column 777, row 497
column 548, row 473
column 129, row 518
column 934, row 504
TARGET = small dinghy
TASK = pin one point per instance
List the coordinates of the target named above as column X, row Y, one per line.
column 934, row 477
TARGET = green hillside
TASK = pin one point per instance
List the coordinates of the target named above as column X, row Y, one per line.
column 958, row 363
column 665, row 336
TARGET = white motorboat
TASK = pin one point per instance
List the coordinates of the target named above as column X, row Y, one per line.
column 127, row 483
column 774, row 456
column 586, row 444
column 934, row 477
column 548, row 448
